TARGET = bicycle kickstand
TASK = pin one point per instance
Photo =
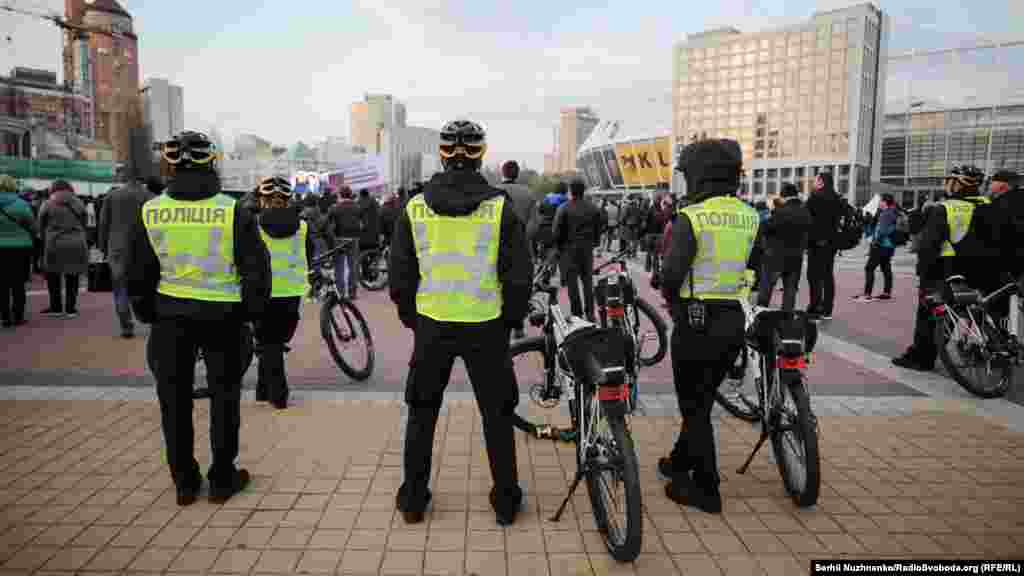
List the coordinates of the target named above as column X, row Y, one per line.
column 572, row 490
column 757, row 448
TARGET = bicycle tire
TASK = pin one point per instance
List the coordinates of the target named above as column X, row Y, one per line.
column 941, row 341
column 535, row 344
column 805, row 425
column 378, row 280
column 660, row 328
column 628, row 472
column 355, row 321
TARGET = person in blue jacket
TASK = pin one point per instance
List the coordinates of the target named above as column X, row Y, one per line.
column 882, row 248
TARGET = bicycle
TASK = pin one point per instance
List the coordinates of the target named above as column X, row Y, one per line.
column 964, row 325
column 778, row 345
column 586, row 363
column 373, row 268
column 619, row 305
column 352, row 323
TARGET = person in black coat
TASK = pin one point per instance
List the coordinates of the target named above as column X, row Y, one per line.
column 578, row 226
column 826, row 209
column 784, row 240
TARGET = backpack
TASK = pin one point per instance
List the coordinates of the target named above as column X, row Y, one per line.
column 901, row 235
column 851, row 228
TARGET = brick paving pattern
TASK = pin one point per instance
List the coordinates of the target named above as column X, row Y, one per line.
column 84, row 489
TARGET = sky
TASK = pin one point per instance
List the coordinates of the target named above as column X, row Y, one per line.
column 289, row 71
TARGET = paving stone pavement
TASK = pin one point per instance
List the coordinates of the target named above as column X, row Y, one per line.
column 84, row 489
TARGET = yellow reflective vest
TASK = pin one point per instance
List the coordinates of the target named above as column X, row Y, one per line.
column 959, row 214
column 458, row 261
column 725, row 229
column 288, row 263
column 194, row 242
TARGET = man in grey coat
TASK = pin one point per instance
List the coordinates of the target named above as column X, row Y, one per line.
column 120, row 211
column 523, row 202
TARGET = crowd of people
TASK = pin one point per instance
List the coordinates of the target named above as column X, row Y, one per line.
column 199, row 267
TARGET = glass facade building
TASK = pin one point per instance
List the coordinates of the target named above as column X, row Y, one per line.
column 800, row 100
column 921, row 145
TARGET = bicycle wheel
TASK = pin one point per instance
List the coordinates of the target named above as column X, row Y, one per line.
column 738, row 394
column 613, row 481
column 373, row 270
column 656, row 332
column 341, row 323
column 795, row 441
column 539, row 417
column 974, row 366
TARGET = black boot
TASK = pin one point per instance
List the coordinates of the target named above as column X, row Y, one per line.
column 412, row 509
column 188, row 488
column 506, row 510
column 222, row 489
column 701, row 493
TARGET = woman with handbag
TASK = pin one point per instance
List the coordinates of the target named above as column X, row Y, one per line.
column 16, row 234
column 65, row 254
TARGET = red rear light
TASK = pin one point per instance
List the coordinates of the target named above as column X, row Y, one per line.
column 616, row 312
column 799, row 363
column 613, row 393
column 939, row 310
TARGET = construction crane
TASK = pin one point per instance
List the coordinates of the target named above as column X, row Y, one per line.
column 73, row 31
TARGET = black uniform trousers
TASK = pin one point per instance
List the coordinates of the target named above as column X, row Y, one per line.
column 771, row 271
column 171, row 354
column 821, row 277
column 700, row 361
column 578, row 269
column 483, row 348
column 275, row 329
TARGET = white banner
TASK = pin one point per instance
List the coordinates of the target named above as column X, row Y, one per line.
column 365, row 171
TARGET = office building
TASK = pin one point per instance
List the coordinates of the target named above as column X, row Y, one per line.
column 800, row 99
column 575, row 126
column 551, row 163
column 252, row 146
column 990, row 137
column 407, row 152
column 105, row 68
column 163, row 108
column 367, row 119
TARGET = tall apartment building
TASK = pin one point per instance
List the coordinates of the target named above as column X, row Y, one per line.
column 163, row 108
column 576, row 124
column 105, row 68
column 800, row 100
column 369, row 118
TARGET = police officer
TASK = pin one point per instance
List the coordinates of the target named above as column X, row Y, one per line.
column 943, row 234
column 460, row 277
column 712, row 241
column 288, row 240
column 196, row 269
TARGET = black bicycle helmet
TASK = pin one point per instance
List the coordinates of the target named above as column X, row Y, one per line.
column 968, row 176
column 463, row 144
column 274, row 185
column 190, row 150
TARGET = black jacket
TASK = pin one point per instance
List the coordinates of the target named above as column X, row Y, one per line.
column 784, row 236
column 368, row 216
column 523, row 200
column 284, row 223
column 933, row 268
column 578, row 225
column 458, row 194
column 679, row 259
column 826, row 209
column 387, row 216
column 142, row 267
column 1008, row 230
column 347, row 219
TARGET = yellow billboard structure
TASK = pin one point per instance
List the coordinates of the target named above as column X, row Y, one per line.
column 645, row 163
